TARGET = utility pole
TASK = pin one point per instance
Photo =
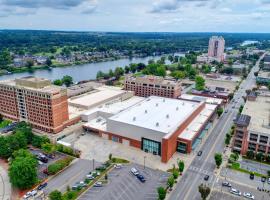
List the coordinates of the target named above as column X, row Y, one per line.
column 144, row 162
column 93, row 163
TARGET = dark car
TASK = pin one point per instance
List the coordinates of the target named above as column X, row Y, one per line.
column 226, row 184
column 42, row 158
column 199, row 153
column 41, row 186
column 263, row 179
column 251, row 176
column 206, row 177
column 45, row 171
column 141, row 178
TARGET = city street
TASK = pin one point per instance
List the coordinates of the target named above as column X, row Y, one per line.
column 5, row 186
column 187, row 187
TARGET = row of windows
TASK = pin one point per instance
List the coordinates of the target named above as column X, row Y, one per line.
column 148, row 85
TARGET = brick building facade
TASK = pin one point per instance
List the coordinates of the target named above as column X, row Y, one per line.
column 36, row 101
column 146, row 86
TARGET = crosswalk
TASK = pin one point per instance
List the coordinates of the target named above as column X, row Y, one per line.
column 199, row 170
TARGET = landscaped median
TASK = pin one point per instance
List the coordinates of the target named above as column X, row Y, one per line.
column 236, row 166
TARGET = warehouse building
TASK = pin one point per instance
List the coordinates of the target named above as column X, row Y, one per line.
column 156, row 125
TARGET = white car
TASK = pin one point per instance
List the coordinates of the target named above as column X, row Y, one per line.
column 134, row 171
column 118, row 166
column 27, row 195
column 89, row 177
column 235, row 191
column 248, row 195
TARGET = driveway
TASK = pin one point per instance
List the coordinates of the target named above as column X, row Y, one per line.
column 76, row 172
column 254, row 166
column 5, row 186
column 95, row 147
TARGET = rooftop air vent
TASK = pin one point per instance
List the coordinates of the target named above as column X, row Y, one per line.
column 167, row 116
column 177, row 108
column 183, row 103
column 157, row 124
column 145, row 111
column 134, row 118
column 163, row 100
column 156, row 104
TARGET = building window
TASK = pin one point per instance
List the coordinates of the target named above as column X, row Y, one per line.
column 151, row 146
column 115, row 139
column 182, row 147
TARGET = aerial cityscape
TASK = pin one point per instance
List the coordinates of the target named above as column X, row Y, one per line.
column 134, row 100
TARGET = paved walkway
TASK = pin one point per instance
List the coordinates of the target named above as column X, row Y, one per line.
column 5, row 187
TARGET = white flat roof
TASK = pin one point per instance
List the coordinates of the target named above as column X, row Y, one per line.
column 190, row 132
column 157, row 113
column 99, row 95
column 115, row 107
column 99, row 123
column 209, row 100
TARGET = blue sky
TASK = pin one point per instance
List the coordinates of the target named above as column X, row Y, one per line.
column 137, row 15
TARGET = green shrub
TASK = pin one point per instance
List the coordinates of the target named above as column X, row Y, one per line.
column 59, row 165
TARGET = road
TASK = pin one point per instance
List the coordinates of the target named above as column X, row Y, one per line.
column 187, row 187
column 5, row 186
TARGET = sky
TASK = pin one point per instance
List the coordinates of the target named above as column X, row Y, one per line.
column 137, row 15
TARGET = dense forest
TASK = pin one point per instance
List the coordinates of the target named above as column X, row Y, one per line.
column 22, row 41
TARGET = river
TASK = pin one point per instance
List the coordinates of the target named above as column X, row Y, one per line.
column 80, row 72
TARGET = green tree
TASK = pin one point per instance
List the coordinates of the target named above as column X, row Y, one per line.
column 181, row 166
column 110, row 156
column 26, row 129
column 219, row 111
column 161, row 193
column 48, row 148
column 204, row 190
column 5, row 58
column 118, row 72
column 48, row 62
column 39, row 140
column 127, row 69
column 250, row 154
column 5, row 151
column 23, row 170
column 161, row 71
column 170, row 181
column 199, row 83
column 1, row 118
column 218, row 159
column 259, row 156
column 175, row 174
column 58, row 82
column 55, row 195
column 228, row 139
column 29, row 63
column 67, row 80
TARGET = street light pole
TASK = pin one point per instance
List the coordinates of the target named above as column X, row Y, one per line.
column 144, row 162
column 93, row 163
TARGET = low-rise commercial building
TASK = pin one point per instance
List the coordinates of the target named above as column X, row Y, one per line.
column 263, row 77
column 252, row 127
column 157, row 125
column 146, row 86
column 37, row 101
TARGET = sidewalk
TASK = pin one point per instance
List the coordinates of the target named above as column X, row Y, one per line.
column 5, row 186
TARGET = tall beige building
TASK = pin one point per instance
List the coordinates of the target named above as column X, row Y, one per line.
column 216, row 48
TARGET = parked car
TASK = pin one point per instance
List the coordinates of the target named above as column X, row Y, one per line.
column 206, row 177
column 199, row 153
column 134, row 171
column 94, row 174
column 235, row 191
column 45, row 171
column 42, row 158
column 41, row 186
column 263, row 179
column 98, row 184
column 27, row 195
column 141, row 178
column 89, row 177
column 226, row 184
column 82, row 184
column 268, row 181
column 251, row 176
column 248, row 195
column 118, row 166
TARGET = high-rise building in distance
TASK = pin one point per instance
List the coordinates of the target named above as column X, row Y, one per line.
column 36, row 101
column 216, row 48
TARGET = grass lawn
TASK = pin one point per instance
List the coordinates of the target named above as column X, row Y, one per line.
column 5, row 123
column 119, row 160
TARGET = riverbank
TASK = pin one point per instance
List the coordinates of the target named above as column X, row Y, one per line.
column 57, row 65
column 80, row 71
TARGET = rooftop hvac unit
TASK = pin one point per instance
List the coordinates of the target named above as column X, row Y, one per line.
column 163, row 100
column 134, row 118
column 157, row 124
column 156, row 104
column 167, row 115
column 145, row 111
column 177, row 108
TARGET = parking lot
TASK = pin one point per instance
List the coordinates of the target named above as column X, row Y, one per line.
column 122, row 184
column 44, row 165
column 76, row 172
